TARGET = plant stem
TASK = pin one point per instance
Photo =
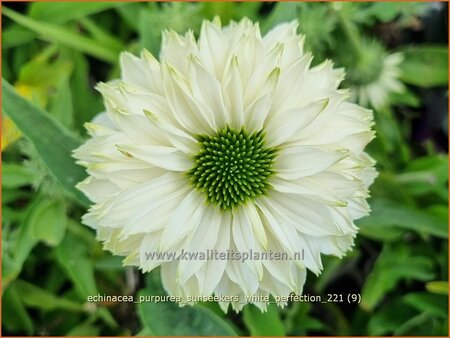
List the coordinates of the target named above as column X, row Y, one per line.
column 351, row 33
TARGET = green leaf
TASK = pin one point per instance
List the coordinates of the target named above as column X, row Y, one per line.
column 36, row 297
column 389, row 317
column 15, row 35
column 263, row 324
column 309, row 15
column 178, row 16
column 50, row 222
column 392, row 266
column 388, row 11
column 16, row 176
column 385, row 212
column 9, row 196
column 62, row 105
column 431, row 60
column 335, row 267
column 58, row 13
column 71, row 256
column 428, row 302
column 24, row 244
column 406, row 97
column 83, row 330
column 169, row 319
column 282, row 12
column 382, row 233
column 91, row 104
column 300, row 322
column 145, row 332
column 55, row 148
column 101, row 35
column 129, row 13
column 439, row 287
column 419, row 325
column 61, row 12
column 425, row 175
column 15, row 316
column 64, row 36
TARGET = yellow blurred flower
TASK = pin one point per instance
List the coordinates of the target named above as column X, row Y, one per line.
column 10, row 133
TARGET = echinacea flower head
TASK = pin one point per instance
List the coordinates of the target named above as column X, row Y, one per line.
column 231, row 142
column 376, row 93
column 375, row 75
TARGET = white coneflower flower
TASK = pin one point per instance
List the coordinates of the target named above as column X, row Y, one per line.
column 231, row 142
column 376, row 93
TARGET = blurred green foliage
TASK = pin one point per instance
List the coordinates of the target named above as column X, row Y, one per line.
column 54, row 53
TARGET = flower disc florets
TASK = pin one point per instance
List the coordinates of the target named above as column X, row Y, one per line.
column 232, row 166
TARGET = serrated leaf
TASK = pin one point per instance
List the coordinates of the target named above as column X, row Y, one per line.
column 55, row 148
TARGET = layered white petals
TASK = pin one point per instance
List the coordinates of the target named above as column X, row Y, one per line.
column 301, row 161
column 142, row 150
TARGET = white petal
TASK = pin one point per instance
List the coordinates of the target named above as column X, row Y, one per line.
column 305, row 215
column 184, row 221
column 163, row 157
column 301, row 161
column 243, row 276
column 257, row 111
column 207, row 89
column 97, row 190
column 176, row 136
column 143, row 72
column 157, row 215
column 184, row 107
column 234, row 95
column 280, row 33
column 169, row 278
column 117, row 211
column 203, row 239
column 244, row 239
column 285, row 233
column 212, row 48
column 213, row 270
column 175, row 49
column 149, row 247
column 283, row 126
column 308, row 187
